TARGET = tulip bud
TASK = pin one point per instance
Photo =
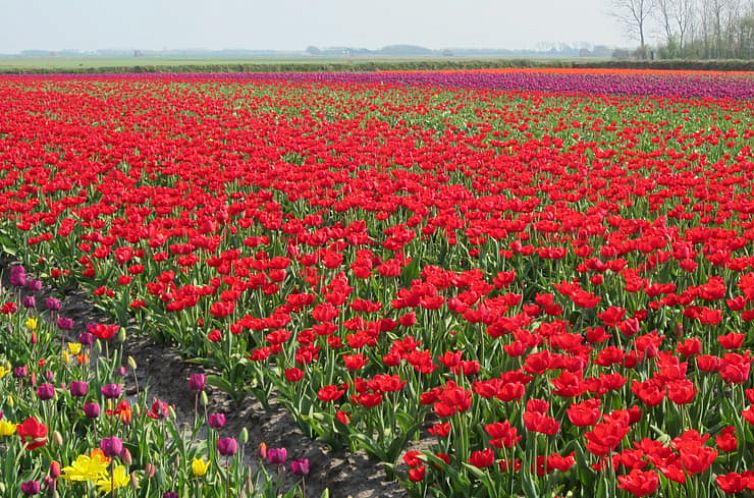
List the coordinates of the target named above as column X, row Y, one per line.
column 132, row 362
column 10, row 402
column 197, row 382
column 122, row 334
column 216, row 420
column 134, row 481
column 46, row 392
column 244, row 436
column 92, row 410
column 111, row 446
column 48, row 482
column 227, row 446
column 30, row 488
column 149, row 470
column 300, row 467
column 54, row 469
column 126, row 457
column 57, row 438
column 203, row 399
column 262, row 451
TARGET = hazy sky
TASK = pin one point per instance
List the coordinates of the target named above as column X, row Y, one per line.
column 294, row 24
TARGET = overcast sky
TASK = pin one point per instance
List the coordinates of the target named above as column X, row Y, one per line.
column 295, row 24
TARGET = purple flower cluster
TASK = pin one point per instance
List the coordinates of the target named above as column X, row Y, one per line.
column 738, row 86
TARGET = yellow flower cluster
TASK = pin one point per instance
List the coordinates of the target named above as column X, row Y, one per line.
column 94, row 468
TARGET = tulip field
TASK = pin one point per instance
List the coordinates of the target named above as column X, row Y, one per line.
column 495, row 283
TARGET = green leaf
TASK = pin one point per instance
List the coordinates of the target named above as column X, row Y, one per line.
column 7, row 245
column 220, row 383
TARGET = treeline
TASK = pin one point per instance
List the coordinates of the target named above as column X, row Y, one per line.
column 368, row 66
column 705, row 29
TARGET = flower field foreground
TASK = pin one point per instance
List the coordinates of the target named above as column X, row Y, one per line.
column 494, row 293
column 68, row 427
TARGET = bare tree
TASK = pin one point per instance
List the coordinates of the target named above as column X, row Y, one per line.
column 665, row 12
column 634, row 14
column 684, row 14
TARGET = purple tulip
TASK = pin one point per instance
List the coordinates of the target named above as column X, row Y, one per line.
column 300, row 467
column 34, row 285
column 86, row 339
column 20, row 372
column 227, row 446
column 30, row 488
column 216, row 420
column 197, row 382
column 111, row 391
column 277, row 456
column 92, row 410
column 18, row 276
column 28, row 302
column 65, row 323
column 53, row 304
column 111, row 446
column 46, row 392
column 78, row 388
column 169, row 494
column 672, row 85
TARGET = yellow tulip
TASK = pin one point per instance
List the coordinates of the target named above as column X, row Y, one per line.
column 199, row 467
column 31, row 323
column 86, row 468
column 118, row 479
column 4, row 371
column 74, row 348
column 7, row 428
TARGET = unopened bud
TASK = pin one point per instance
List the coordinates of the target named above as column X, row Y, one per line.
column 134, row 481
column 122, row 335
column 126, row 457
column 132, row 362
column 149, row 470
column 10, row 402
column 57, row 438
column 243, row 438
column 203, row 399
column 54, row 469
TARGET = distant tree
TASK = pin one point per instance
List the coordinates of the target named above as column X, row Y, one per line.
column 312, row 50
column 635, row 15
